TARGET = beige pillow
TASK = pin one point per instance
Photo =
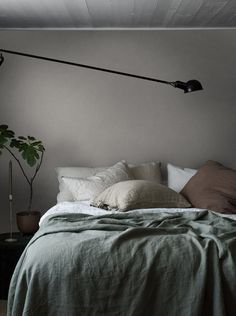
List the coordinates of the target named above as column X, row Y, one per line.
column 86, row 189
column 147, row 171
column 133, row 194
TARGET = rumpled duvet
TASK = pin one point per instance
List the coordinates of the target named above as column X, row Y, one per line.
column 128, row 264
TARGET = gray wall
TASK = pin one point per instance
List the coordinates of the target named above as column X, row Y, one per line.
column 88, row 118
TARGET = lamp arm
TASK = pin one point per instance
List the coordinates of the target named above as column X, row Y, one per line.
column 189, row 86
column 83, row 66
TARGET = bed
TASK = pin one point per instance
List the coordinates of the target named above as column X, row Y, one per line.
column 87, row 260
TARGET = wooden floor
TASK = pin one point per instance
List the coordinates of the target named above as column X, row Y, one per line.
column 3, row 308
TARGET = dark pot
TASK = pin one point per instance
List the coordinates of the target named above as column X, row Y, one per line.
column 28, row 222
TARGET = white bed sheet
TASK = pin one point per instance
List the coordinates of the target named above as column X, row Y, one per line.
column 83, row 207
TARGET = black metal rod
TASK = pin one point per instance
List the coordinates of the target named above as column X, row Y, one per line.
column 84, row 66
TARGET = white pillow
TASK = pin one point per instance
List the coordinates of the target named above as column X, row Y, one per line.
column 145, row 171
column 86, row 189
column 72, row 172
column 178, row 177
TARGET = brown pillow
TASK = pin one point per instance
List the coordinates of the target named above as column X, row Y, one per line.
column 212, row 187
column 135, row 194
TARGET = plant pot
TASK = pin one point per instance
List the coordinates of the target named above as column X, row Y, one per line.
column 28, row 222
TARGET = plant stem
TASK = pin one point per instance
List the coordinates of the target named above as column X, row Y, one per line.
column 31, row 196
column 32, row 180
column 38, row 166
column 29, row 180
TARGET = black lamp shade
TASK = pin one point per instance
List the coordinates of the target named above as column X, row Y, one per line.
column 189, row 86
column 193, row 85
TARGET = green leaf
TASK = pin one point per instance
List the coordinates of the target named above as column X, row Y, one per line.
column 3, row 139
column 31, row 161
column 24, row 155
column 31, row 138
column 30, row 148
column 3, row 127
column 5, row 135
column 38, row 142
column 24, row 145
column 41, row 148
column 30, row 154
column 15, row 143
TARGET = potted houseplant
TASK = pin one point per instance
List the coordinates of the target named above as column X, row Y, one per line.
column 31, row 151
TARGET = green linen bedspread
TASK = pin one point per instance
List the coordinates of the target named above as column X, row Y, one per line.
column 128, row 264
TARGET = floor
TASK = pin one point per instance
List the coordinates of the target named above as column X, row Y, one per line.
column 3, row 308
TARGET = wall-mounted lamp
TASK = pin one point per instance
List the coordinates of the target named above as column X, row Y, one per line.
column 189, row 86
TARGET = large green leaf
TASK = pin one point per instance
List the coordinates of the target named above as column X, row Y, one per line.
column 30, row 154
column 31, row 149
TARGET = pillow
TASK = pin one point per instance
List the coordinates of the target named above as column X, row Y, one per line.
column 85, row 189
column 72, row 172
column 213, row 187
column 178, row 177
column 133, row 194
column 145, row 171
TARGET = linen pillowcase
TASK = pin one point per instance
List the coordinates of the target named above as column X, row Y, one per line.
column 213, row 187
column 85, row 189
column 178, row 177
column 146, row 171
column 72, row 173
column 135, row 194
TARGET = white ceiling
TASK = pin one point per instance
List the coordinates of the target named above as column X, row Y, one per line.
column 117, row 13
